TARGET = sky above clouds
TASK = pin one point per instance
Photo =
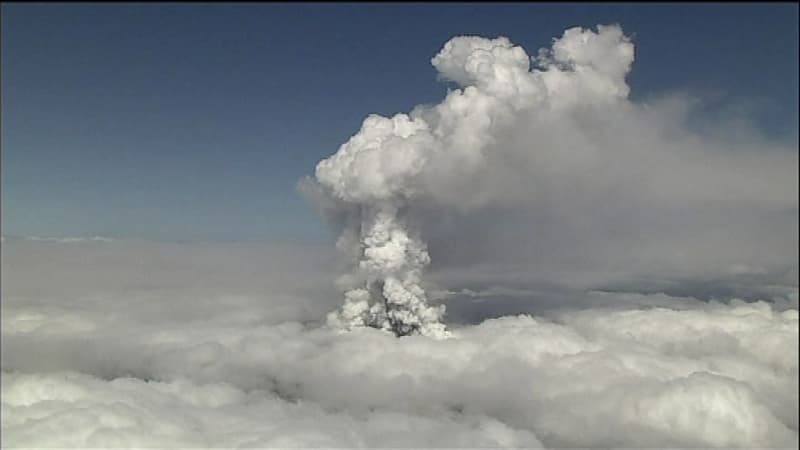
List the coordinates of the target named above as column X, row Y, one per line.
column 195, row 121
column 556, row 236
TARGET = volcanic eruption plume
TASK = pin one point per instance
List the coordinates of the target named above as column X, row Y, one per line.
column 377, row 179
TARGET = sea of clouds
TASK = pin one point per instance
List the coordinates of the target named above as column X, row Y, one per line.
column 612, row 275
column 141, row 344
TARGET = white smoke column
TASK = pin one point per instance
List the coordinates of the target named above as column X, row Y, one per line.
column 378, row 176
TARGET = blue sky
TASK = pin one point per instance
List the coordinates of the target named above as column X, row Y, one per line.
column 184, row 121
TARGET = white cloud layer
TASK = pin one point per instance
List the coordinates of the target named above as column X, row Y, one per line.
column 135, row 344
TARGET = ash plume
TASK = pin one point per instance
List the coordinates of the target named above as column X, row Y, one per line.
column 546, row 163
column 379, row 175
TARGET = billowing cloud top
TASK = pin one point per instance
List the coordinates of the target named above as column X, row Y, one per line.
column 381, row 160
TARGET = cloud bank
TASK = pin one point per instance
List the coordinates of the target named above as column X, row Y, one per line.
column 137, row 344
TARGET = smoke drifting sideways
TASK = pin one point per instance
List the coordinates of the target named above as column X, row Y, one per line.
column 525, row 139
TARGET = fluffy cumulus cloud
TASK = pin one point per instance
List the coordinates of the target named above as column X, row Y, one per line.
column 564, row 267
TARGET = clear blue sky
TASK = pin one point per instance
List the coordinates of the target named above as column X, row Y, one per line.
column 195, row 121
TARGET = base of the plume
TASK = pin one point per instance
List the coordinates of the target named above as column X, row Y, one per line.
column 344, row 320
